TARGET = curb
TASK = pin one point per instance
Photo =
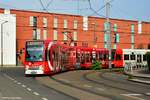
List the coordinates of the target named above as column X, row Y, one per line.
column 141, row 76
column 139, row 81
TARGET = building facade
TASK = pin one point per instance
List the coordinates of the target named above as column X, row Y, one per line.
column 7, row 39
column 84, row 31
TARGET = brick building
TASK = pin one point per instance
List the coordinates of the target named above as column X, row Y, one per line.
column 84, row 31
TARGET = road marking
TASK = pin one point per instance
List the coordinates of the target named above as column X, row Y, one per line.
column 88, row 86
column 67, row 81
column 9, row 77
column 29, row 89
column 15, row 81
column 18, row 83
column 147, row 93
column 35, row 93
column 44, row 99
column 11, row 98
column 133, row 96
column 24, row 86
column 100, row 89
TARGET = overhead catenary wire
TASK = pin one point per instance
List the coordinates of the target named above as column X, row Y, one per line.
column 102, row 25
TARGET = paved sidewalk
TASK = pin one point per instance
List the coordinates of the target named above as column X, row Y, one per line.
column 140, row 76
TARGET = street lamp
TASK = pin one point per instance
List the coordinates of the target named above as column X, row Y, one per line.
column 2, row 42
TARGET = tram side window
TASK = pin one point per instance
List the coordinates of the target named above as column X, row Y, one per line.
column 139, row 58
column 82, row 58
column 126, row 57
column 132, row 57
column 78, row 57
column 101, row 56
column 87, row 57
column 47, row 55
column 144, row 58
column 106, row 56
column 97, row 56
column 53, row 56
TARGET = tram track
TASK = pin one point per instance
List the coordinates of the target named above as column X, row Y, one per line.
column 88, row 85
column 122, row 82
column 101, row 75
column 80, row 88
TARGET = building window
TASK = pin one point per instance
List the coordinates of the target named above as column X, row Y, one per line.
column 34, row 34
column 33, row 21
column 55, row 22
column 75, row 44
column 65, row 23
column 55, row 34
column 132, row 36
column 65, row 35
column 85, row 23
column 105, row 37
column 75, row 36
column 148, row 46
column 139, row 27
column 75, row 24
column 84, row 44
column 44, row 34
column 38, row 34
column 44, row 22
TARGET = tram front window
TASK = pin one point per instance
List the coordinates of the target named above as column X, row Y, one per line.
column 34, row 53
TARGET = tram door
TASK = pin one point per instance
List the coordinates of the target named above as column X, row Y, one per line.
column 78, row 59
column 139, row 60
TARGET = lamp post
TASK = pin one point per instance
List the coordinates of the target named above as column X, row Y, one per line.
column 2, row 42
column 108, row 31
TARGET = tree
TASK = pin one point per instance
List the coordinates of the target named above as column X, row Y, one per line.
column 148, row 60
column 96, row 65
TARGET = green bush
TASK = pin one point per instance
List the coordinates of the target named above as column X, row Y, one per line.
column 130, row 76
column 96, row 65
column 148, row 60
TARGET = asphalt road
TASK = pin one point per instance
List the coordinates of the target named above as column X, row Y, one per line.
column 14, row 86
column 112, row 85
column 81, row 84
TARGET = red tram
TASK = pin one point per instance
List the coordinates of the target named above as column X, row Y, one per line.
column 48, row 57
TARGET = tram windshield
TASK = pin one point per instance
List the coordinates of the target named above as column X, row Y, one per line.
column 34, row 51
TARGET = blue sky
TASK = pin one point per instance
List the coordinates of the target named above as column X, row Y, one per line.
column 123, row 9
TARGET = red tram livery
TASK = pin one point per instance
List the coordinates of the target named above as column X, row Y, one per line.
column 49, row 57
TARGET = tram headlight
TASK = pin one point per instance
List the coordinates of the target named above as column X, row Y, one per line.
column 41, row 67
column 27, row 67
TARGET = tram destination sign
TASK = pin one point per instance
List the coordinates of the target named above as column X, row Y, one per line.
column 34, row 43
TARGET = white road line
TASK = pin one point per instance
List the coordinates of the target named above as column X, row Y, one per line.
column 29, row 89
column 67, row 81
column 8, row 77
column 24, row 86
column 88, row 86
column 44, row 99
column 18, row 83
column 35, row 93
column 100, row 89
column 11, row 98
column 147, row 93
column 15, row 81
column 133, row 96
